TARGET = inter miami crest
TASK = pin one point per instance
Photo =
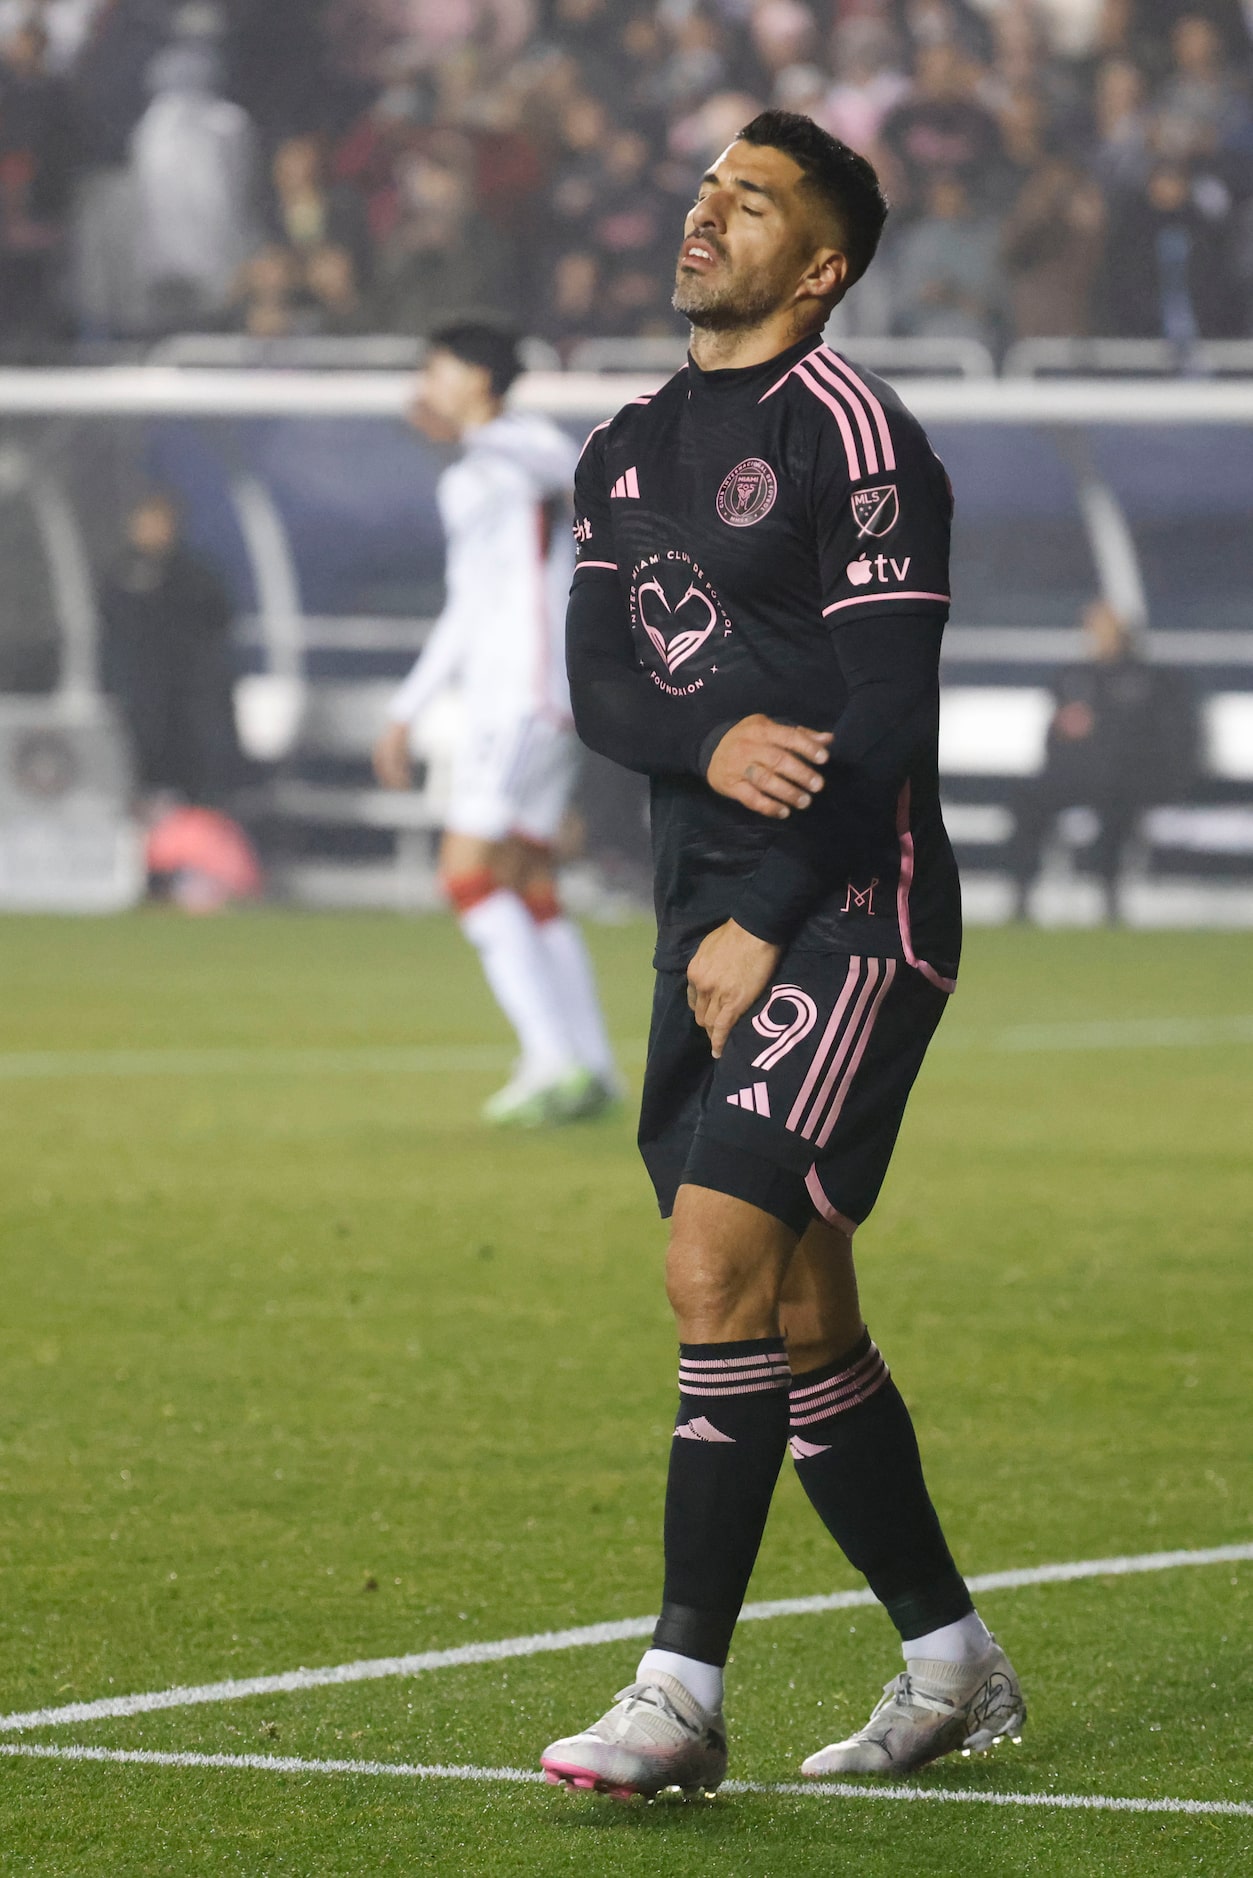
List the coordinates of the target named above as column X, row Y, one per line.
column 876, row 511
column 747, row 493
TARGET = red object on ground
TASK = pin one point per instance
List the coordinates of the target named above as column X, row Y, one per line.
column 206, row 857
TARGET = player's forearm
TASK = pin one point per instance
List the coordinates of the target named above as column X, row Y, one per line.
column 816, row 852
column 888, row 723
column 618, row 711
column 435, row 667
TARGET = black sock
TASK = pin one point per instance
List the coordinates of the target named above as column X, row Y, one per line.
column 725, row 1456
column 857, row 1458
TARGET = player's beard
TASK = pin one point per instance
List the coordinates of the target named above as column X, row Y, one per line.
column 721, row 303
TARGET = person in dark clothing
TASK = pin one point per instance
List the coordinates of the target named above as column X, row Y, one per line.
column 166, row 621
column 36, row 161
column 755, row 625
column 1169, row 257
column 1123, row 737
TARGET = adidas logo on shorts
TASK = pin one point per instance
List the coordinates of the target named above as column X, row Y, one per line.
column 756, row 1100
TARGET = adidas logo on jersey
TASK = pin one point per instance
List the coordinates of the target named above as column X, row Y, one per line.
column 627, row 484
column 756, row 1100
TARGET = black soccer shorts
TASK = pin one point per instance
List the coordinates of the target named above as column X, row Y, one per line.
column 801, row 1114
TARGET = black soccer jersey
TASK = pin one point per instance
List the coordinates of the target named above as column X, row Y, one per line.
column 774, row 539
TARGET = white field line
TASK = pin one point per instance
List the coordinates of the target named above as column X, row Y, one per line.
column 545, row 1641
column 420, row 1060
column 832, row 1790
column 1134, row 1033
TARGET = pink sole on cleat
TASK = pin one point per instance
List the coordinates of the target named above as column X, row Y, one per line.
column 578, row 1778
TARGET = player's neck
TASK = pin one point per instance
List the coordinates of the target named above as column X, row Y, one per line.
column 719, row 349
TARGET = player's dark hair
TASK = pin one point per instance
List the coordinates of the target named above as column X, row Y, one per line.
column 845, row 181
column 483, row 342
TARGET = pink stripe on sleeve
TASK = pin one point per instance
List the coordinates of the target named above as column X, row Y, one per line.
column 819, row 364
column 880, row 418
column 864, row 599
column 850, row 447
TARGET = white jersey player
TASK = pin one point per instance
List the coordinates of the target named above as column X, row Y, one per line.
column 506, row 510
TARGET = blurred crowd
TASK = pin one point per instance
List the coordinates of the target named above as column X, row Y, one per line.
column 292, row 167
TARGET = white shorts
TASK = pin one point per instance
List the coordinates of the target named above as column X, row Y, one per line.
column 512, row 778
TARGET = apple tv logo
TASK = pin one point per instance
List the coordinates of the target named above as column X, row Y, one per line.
column 863, row 570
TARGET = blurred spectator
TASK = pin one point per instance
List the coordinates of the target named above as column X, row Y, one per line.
column 36, row 170
column 1121, row 154
column 869, row 83
column 588, row 31
column 336, row 307
column 265, row 303
column 575, row 304
column 66, row 24
column 166, row 658
column 111, row 76
column 306, row 212
column 441, row 257
column 1051, row 247
column 1123, row 737
column 1170, row 270
column 193, row 162
column 279, row 68
column 947, row 277
column 940, row 131
column 1200, row 109
column 380, row 40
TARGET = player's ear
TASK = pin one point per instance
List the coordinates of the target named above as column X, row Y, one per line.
column 825, row 276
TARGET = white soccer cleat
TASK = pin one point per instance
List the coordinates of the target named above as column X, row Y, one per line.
column 928, row 1710
column 530, row 1101
column 655, row 1736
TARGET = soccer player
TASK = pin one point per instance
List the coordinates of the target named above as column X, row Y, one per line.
column 505, row 506
column 755, row 622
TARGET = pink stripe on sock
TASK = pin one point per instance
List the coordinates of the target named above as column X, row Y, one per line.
column 841, row 1378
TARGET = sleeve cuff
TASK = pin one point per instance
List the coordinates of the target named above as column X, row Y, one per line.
column 774, row 900
column 705, row 755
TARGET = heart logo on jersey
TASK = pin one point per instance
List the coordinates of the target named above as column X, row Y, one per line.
column 677, row 650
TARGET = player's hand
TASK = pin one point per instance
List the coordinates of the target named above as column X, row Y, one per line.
column 771, row 768
column 391, row 758
column 730, row 970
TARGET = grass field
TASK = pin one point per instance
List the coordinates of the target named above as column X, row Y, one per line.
column 300, row 1367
